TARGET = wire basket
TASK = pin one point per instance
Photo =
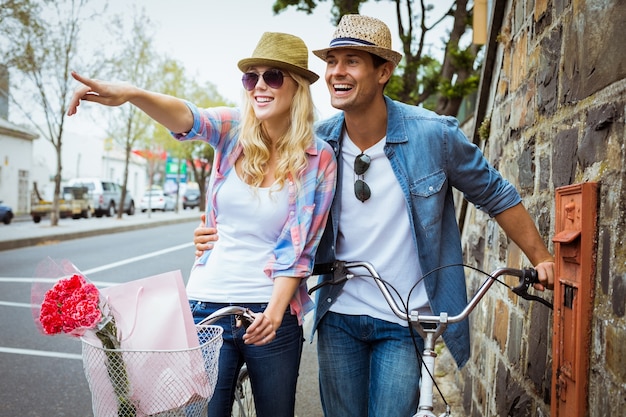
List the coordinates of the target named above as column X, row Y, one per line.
column 167, row 383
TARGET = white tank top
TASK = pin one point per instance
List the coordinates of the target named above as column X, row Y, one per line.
column 249, row 222
column 377, row 231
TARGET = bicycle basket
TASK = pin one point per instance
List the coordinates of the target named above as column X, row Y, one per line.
column 167, row 383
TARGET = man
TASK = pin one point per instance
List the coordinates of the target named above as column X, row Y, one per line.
column 393, row 207
column 402, row 162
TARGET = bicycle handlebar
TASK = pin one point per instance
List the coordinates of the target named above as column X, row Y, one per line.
column 341, row 273
column 243, row 315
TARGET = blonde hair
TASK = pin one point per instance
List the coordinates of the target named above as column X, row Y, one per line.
column 292, row 159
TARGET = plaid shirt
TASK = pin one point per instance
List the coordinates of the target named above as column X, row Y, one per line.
column 294, row 253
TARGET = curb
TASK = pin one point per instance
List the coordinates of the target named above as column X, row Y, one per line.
column 37, row 240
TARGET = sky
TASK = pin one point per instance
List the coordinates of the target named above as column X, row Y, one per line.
column 209, row 37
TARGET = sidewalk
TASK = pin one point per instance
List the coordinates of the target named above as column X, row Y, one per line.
column 24, row 232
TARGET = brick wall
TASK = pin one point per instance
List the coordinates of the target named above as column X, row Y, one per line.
column 556, row 117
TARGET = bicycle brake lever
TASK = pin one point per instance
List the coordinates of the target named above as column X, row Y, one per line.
column 529, row 277
column 339, row 271
column 245, row 319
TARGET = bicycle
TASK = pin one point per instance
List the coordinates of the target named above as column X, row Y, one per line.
column 243, row 404
column 429, row 327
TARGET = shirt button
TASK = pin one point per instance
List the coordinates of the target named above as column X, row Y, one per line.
column 328, row 300
column 430, row 188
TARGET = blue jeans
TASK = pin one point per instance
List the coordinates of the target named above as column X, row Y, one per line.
column 273, row 368
column 368, row 367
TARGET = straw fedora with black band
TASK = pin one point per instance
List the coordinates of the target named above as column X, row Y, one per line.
column 365, row 33
column 282, row 51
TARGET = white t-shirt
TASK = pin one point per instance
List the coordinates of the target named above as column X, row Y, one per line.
column 249, row 222
column 360, row 227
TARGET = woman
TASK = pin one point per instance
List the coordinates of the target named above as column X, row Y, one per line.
column 269, row 194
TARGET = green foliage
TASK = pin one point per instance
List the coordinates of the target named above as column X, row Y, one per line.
column 306, row 6
column 421, row 79
column 18, row 18
column 339, row 7
column 199, row 155
column 460, row 89
column 485, row 129
column 461, row 58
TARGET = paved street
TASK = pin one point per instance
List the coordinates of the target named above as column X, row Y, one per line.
column 25, row 233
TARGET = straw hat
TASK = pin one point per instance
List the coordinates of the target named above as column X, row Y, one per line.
column 364, row 33
column 283, row 51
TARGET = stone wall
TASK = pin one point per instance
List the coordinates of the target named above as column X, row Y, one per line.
column 555, row 117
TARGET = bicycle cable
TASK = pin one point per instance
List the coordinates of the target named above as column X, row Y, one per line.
column 520, row 291
column 408, row 319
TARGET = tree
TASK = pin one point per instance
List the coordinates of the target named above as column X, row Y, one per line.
column 18, row 15
column 198, row 154
column 40, row 43
column 421, row 79
column 129, row 126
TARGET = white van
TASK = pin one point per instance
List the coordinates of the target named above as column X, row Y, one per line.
column 106, row 196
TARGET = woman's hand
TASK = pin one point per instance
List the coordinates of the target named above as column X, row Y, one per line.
column 103, row 92
column 204, row 237
column 261, row 331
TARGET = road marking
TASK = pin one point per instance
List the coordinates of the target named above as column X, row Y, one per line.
column 31, row 352
column 10, row 304
column 61, row 355
column 49, row 281
column 99, row 268
column 137, row 258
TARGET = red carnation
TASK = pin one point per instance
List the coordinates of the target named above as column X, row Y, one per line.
column 71, row 306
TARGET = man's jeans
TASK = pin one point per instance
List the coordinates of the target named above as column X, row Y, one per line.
column 368, row 367
column 273, row 368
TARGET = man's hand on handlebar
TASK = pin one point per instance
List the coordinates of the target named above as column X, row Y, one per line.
column 545, row 273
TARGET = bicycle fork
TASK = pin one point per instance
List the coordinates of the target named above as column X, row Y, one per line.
column 430, row 332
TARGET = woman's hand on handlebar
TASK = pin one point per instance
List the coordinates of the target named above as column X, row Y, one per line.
column 545, row 273
column 204, row 237
column 261, row 331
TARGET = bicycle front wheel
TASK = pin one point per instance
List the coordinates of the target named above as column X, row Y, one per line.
column 243, row 405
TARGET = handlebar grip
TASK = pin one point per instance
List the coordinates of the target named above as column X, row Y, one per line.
column 530, row 276
column 244, row 319
column 325, row 268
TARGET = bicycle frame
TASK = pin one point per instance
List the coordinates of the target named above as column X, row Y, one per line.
column 431, row 327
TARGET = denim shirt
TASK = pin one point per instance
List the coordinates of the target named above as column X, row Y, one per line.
column 430, row 156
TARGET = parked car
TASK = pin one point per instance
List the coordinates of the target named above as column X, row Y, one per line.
column 74, row 202
column 156, row 199
column 191, row 198
column 6, row 213
column 106, row 196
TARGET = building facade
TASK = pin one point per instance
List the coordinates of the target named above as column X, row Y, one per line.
column 550, row 114
column 16, row 163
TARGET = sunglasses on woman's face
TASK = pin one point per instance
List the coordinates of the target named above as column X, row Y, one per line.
column 272, row 77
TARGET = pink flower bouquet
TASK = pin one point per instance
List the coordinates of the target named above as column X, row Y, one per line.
column 142, row 353
column 73, row 307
